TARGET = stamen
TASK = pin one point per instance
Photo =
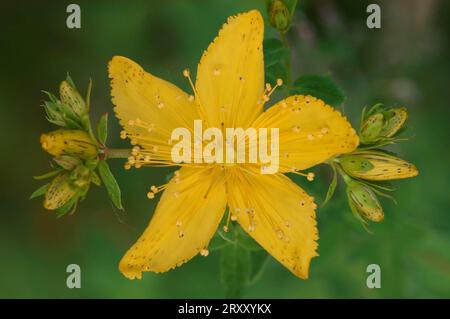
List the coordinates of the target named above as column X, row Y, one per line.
column 309, row 176
column 187, row 75
column 269, row 91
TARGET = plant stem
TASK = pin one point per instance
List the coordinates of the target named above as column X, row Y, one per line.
column 288, row 64
column 118, row 153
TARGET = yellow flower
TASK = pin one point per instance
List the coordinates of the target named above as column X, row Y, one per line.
column 71, row 142
column 229, row 92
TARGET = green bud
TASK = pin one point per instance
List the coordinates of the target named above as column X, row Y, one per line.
column 370, row 131
column 70, row 97
column 279, row 16
column 364, row 202
column 381, row 124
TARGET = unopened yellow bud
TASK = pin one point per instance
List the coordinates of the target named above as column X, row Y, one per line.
column 70, row 97
column 59, row 192
column 377, row 166
column 69, row 142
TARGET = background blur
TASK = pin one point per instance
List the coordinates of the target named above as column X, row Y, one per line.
column 404, row 63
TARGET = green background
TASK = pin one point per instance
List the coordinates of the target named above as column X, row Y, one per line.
column 404, row 63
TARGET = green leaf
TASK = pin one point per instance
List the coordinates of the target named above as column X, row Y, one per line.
column 88, row 95
column 102, row 128
column 69, row 207
column 40, row 191
column 110, row 183
column 276, row 59
column 48, row 175
column 332, row 187
column 258, row 260
column 217, row 242
column 319, row 86
column 234, row 270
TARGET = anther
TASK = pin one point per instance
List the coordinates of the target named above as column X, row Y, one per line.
column 310, row 176
column 150, row 195
column 204, row 252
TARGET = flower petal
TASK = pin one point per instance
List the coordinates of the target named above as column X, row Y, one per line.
column 278, row 214
column 148, row 108
column 185, row 220
column 310, row 132
column 230, row 75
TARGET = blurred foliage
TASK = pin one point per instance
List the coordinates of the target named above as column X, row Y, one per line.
column 404, row 64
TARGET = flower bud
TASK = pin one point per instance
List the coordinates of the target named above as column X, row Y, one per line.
column 376, row 166
column 69, row 96
column 60, row 191
column 69, row 142
column 395, row 119
column 364, row 202
column 279, row 16
column 382, row 123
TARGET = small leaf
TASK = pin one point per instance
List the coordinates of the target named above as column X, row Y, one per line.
column 48, row 175
column 88, row 95
column 40, row 191
column 102, row 128
column 321, row 87
column 276, row 59
column 69, row 207
column 110, row 183
column 332, row 187
column 95, row 178
column 234, row 270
